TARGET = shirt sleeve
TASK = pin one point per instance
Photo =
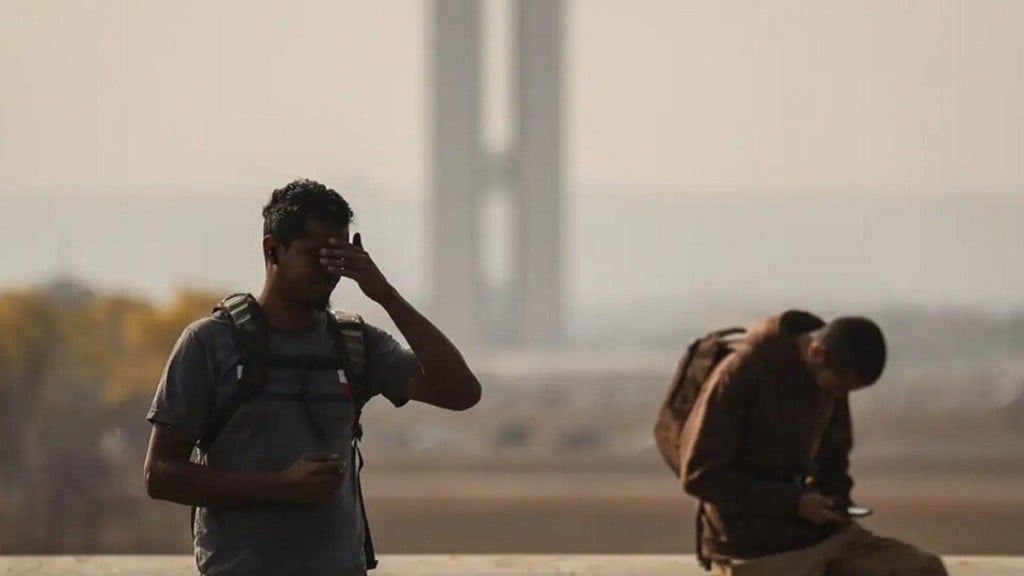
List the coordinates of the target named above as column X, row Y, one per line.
column 183, row 395
column 833, row 458
column 389, row 365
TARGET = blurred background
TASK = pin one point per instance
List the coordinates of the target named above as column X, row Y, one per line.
column 573, row 190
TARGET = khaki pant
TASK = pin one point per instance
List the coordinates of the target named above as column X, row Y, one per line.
column 852, row 552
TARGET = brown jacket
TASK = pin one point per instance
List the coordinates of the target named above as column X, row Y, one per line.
column 763, row 431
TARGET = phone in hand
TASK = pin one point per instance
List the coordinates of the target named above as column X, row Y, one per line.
column 852, row 511
column 857, row 511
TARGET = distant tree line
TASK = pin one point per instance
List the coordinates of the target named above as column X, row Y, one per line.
column 77, row 371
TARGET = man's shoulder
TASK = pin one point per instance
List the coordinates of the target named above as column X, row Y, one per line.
column 797, row 322
column 345, row 317
column 776, row 334
column 792, row 322
column 748, row 365
column 211, row 332
column 771, row 353
column 210, row 326
column 740, row 369
column 370, row 331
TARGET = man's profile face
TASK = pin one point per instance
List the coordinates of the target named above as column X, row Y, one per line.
column 300, row 273
column 837, row 384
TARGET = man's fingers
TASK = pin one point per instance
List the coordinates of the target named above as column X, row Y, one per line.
column 323, row 456
column 356, row 275
column 830, row 517
column 352, row 261
column 336, row 265
column 344, row 244
column 346, row 271
column 329, row 468
column 326, row 464
column 343, row 253
column 358, row 240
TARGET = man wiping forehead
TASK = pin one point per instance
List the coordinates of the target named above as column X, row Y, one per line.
column 276, row 491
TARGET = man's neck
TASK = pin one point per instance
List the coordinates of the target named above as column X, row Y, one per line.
column 285, row 315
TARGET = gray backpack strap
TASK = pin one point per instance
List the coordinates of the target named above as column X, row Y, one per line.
column 250, row 331
column 348, row 331
column 351, row 327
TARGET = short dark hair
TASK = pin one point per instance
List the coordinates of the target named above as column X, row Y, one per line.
column 854, row 346
column 290, row 207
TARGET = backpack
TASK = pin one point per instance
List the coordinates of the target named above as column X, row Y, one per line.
column 250, row 331
column 692, row 372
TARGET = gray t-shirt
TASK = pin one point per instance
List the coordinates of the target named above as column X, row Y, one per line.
column 270, row 434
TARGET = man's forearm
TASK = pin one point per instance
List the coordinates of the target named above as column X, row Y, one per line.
column 438, row 356
column 196, row 485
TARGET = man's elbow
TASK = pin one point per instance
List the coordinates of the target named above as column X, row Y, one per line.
column 689, row 485
column 156, row 486
column 470, row 395
column 695, row 484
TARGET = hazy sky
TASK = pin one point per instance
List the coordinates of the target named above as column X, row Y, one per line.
column 697, row 103
column 120, row 96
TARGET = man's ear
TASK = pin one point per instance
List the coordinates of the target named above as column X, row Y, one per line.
column 816, row 353
column 270, row 245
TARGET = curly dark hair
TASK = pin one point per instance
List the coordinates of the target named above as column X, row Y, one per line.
column 291, row 206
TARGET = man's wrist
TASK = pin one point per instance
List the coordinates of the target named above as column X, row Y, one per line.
column 390, row 298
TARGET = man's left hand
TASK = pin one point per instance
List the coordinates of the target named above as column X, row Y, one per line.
column 352, row 261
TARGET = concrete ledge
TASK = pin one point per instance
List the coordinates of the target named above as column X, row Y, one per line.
column 443, row 565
